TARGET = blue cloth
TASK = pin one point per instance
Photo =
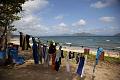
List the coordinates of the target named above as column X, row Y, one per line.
column 35, row 52
column 80, row 66
column 2, row 54
column 13, row 53
column 99, row 52
column 20, row 60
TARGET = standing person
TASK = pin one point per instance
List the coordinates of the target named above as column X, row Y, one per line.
column 52, row 52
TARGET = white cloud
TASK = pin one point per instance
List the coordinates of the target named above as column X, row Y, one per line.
column 104, row 3
column 60, row 17
column 81, row 22
column 61, row 28
column 34, row 5
column 62, row 24
column 30, row 23
column 107, row 19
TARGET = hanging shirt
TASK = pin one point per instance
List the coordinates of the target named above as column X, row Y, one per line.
column 35, row 52
column 58, row 55
column 40, row 52
column 27, row 42
column 80, row 66
column 21, row 39
column 70, row 55
column 99, row 52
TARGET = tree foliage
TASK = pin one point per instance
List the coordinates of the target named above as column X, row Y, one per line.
column 8, row 12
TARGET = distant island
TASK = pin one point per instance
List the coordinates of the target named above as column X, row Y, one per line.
column 79, row 34
column 83, row 34
column 118, row 34
column 76, row 34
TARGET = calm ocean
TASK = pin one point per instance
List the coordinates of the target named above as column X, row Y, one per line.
column 107, row 42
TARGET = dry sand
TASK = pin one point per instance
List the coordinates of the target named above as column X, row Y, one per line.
column 30, row 71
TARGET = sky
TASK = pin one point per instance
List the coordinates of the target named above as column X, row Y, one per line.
column 57, row 17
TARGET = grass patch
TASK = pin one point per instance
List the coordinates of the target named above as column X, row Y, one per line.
column 92, row 58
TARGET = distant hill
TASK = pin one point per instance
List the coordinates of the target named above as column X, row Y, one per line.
column 83, row 34
column 118, row 34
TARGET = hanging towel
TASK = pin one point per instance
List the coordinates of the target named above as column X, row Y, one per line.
column 80, row 66
column 73, row 55
column 77, row 58
column 44, row 51
column 102, row 56
column 53, row 61
column 40, row 52
column 52, row 49
column 67, row 65
column 83, row 70
column 57, row 65
column 62, row 56
column 24, row 45
column 35, row 51
column 99, row 52
column 21, row 39
column 70, row 55
column 27, row 42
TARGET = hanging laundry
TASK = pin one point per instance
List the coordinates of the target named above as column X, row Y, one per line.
column 40, row 51
column 27, row 42
column 53, row 61
column 83, row 70
column 52, row 48
column 86, row 51
column 80, row 66
column 70, row 55
column 102, row 56
column 24, row 45
column 77, row 58
column 44, row 51
column 58, row 54
column 52, row 51
column 58, row 59
column 47, row 57
column 62, row 56
column 21, row 39
column 35, row 51
column 98, row 54
column 67, row 64
column 73, row 55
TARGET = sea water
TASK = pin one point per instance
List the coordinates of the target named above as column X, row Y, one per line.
column 107, row 42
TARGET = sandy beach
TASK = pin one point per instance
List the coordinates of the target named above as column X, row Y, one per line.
column 29, row 71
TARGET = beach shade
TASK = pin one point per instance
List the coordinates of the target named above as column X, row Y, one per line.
column 86, row 51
